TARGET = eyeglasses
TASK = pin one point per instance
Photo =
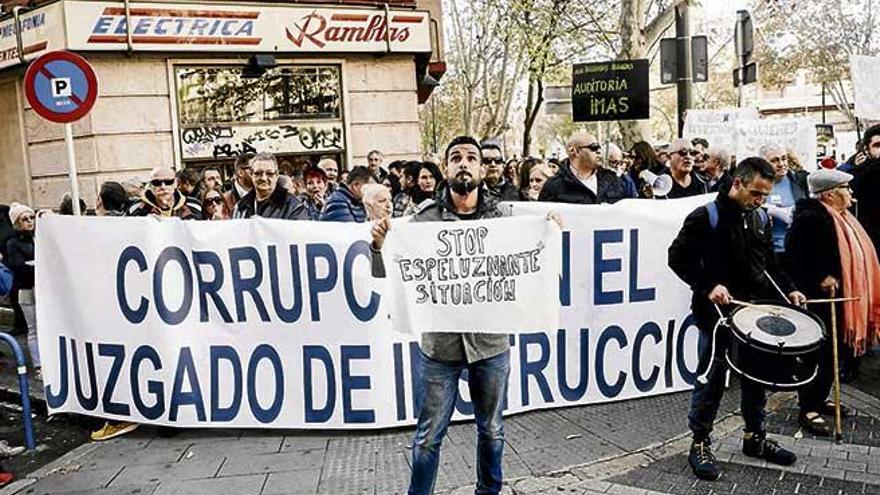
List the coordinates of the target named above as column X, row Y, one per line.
column 217, row 200
column 683, row 153
column 162, row 182
column 595, row 147
column 26, row 218
column 490, row 161
column 267, row 173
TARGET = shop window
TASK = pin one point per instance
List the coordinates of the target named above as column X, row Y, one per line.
column 292, row 110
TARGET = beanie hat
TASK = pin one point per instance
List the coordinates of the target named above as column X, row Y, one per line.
column 16, row 210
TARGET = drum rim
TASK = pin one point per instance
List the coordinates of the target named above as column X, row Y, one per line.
column 740, row 336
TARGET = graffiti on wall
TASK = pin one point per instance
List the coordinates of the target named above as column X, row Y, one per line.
column 230, row 141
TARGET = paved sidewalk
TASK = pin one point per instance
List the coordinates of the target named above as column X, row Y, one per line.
column 339, row 463
column 633, row 447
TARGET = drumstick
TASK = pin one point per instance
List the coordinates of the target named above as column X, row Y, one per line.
column 838, row 430
column 839, row 299
column 746, row 304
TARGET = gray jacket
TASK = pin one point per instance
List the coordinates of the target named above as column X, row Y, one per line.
column 450, row 346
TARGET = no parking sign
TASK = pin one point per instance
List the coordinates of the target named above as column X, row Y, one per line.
column 61, row 87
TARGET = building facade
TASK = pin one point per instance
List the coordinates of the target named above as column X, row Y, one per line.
column 198, row 84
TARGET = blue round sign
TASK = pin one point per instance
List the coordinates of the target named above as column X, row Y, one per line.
column 61, row 86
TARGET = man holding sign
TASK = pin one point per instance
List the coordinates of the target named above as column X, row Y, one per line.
column 444, row 356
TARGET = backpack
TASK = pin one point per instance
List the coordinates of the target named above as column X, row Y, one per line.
column 712, row 209
column 5, row 280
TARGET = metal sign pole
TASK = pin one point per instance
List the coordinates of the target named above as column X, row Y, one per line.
column 71, row 168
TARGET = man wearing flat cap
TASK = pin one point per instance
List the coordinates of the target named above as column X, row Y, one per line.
column 829, row 254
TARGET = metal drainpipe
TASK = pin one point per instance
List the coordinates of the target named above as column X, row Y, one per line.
column 128, row 39
column 18, row 42
column 387, row 28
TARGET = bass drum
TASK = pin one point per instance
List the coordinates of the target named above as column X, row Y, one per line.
column 775, row 345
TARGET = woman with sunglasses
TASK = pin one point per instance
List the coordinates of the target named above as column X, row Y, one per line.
column 19, row 259
column 214, row 206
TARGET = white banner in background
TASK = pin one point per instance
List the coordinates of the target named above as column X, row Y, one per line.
column 798, row 134
column 717, row 126
column 493, row 276
column 865, row 72
column 278, row 324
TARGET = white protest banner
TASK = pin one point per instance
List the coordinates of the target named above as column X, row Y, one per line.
column 717, row 126
column 797, row 134
column 865, row 72
column 493, row 276
column 277, row 324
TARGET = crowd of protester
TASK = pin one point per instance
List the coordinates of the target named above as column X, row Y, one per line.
column 592, row 172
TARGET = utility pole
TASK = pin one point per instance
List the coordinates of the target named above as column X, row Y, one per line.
column 685, row 81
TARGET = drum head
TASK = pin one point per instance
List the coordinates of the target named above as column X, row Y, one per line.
column 773, row 325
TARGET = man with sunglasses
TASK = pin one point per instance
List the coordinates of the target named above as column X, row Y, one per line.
column 242, row 183
column 493, row 173
column 580, row 179
column 724, row 251
column 267, row 199
column 161, row 198
column 685, row 181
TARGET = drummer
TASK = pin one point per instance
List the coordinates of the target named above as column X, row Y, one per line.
column 822, row 234
column 724, row 251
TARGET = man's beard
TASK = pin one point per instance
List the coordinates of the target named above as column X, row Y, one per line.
column 463, row 183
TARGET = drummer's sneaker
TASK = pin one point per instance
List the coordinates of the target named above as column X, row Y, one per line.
column 758, row 445
column 703, row 462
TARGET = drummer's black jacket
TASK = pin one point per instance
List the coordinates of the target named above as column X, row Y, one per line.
column 734, row 253
column 811, row 250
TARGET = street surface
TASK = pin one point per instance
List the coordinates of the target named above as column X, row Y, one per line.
column 630, row 447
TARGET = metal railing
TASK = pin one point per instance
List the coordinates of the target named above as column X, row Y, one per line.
column 25, row 391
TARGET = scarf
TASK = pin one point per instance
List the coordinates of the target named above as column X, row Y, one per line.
column 860, row 274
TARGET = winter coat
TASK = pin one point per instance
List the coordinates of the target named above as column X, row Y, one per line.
column 866, row 189
column 20, row 250
column 503, row 191
column 280, row 204
column 565, row 187
column 148, row 206
column 342, row 206
column 811, row 250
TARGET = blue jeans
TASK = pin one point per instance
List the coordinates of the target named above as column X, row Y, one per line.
column 487, row 382
column 706, row 397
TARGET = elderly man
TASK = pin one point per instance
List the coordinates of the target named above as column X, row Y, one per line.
column 161, row 198
column 716, row 167
column 267, row 199
column 723, row 252
column 580, row 179
column 445, row 356
column 788, row 189
column 375, row 159
column 242, row 183
column 685, row 181
column 827, row 251
column 345, row 204
column 331, row 170
column 377, row 201
column 613, row 161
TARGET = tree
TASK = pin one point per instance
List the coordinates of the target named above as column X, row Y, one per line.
column 820, row 42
